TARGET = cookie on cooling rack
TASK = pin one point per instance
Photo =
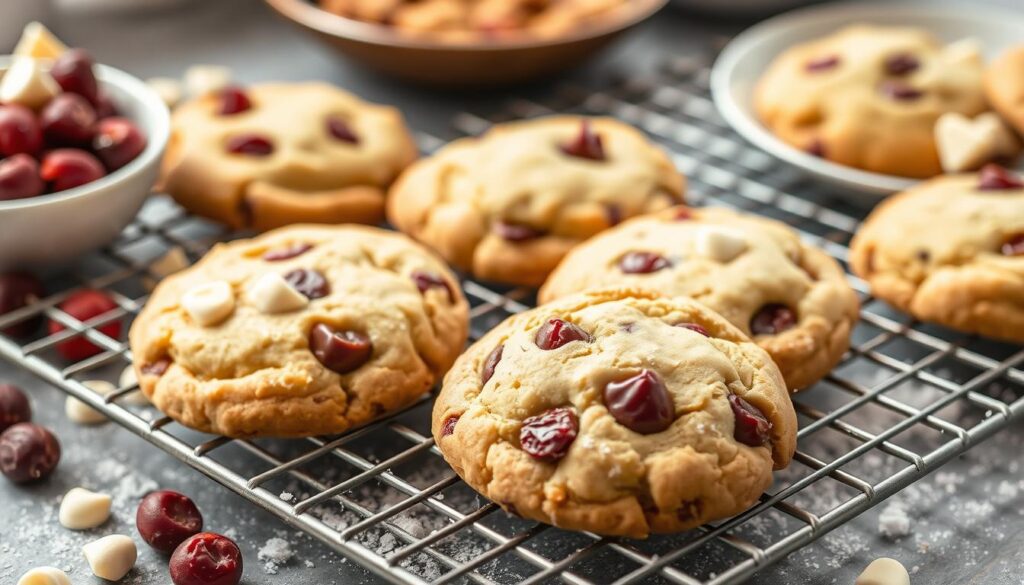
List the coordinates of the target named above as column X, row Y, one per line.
column 306, row 330
column 276, row 154
column 616, row 412
column 951, row 250
column 790, row 297
column 1004, row 86
column 507, row 206
column 869, row 96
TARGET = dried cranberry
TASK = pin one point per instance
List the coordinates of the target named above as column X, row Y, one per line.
column 491, row 363
column 250, row 144
column 68, row 120
column 899, row 90
column 339, row 128
column 901, row 64
column 1013, row 246
column 28, row 452
column 548, row 436
column 682, row 214
column 19, row 289
column 286, row 253
column 157, row 368
column 117, row 142
column 614, row 214
column 823, row 63
column 640, row 403
column 427, row 280
column 166, row 518
column 694, row 327
column 642, row 262
column 19, row 178
column 73, row 72
column 752, row 428
column 816, row 148
column 996, row 178
column 206, row 559
column 449, row 425
column 339, row 351
column 556, row 332
column 233, row 100
column 14, row 407
column 311, row 283
column 516, row 232
column 20, row 132
column 772, row 319
column 586, row 144
column 84, row 305
column 67, row 168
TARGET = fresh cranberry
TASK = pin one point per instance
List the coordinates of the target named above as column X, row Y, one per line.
column 899, row 90
column 232, row 100
column 491, row 363
column 548, row 436
column 68, row 120
column 1014, row 246
column 428, row 280
column 694, row 327
column 449, row 425
column 14, row 407
column 642, row 262
column 996, row 178
column 516, row 232
column 105, row 107
column 641, row 403
column 901, row 64
column 66, row 168
column 823, row 63
column 752, row 428
column 166, row 518
column 18, row 289
column 311, row 283
column 817, row 148
column 206, row 559
column 772, row 319
column 586, row 144
column 28, row 452
column 339, row 128
column 556, row 332
column 117, row 142
column 250, row 145
column 339, row 351
column 73, row 72
column 19, row 178
column 287, row 253
column 20, row 132
column 84, row 305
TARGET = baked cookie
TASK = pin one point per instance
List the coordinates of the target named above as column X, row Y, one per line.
column 276, row 154
column 508, row 205
column 790, row 297
column 618, row 412
column 869, row 96
column 950, row 250
column 306, row 330
column 1004, row 86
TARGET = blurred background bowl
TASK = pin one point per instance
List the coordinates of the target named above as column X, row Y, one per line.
column 739, row 8
column 483, row 63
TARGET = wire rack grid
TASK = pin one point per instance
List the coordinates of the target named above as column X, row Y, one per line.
column 907, row 397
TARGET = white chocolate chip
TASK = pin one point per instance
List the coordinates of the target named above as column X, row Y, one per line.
column 271, row 294
column 45, row 576
column 82, row 509
column 27, row 84
column 884, row 571
column 127, row 380
column 201, row 80
column 964, row 51
column 210, row 303
column 39, row 43
column 966, row 145
column 168, row 88
column 83, row 414
column 720, row 244
column 174, row 260
column 111, row 557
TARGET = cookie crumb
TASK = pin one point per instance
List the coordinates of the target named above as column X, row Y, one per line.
column 893, row 522
column 275, row 553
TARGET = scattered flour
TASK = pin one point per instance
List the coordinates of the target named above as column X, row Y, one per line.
column 893, row 522
column 274, row 554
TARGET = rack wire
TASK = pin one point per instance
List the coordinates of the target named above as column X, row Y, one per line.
column 907, row 398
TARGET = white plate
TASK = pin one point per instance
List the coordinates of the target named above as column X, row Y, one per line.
column 741, row 64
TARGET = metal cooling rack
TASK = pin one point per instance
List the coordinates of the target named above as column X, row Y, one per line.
column 907, row 398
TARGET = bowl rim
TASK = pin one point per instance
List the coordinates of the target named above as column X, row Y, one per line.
column 307, row 14
column 153, row 109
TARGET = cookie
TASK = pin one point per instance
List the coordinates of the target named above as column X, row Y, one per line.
column 306, row 330
column 616, row 412
column 507, row 206
column 869, row 96
column 1004, row 86
column 790, row 297
column 277, row 154
column 950, row 251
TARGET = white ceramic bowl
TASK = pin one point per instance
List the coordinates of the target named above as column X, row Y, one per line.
column 56, row 228
column 742, row 62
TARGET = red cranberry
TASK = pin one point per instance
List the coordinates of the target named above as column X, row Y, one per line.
column 117, row 142
column 428, row 280
column 823, row 63
column 1014, row 246
column 491, row 363
column 548, row 436
column 84, row 305
column 340, row 129
column 311, row 283
column 287, row 253
column 694, row 327
column 206, row 559
column 816, row 148
column 516, row 232
column 449, row 425
column 899, row 91
column 28, row 452
column 682, row 214
column 250, row 145
column 996, row 178
column 640, row 403
column 752, row 428
column 20, row 131
column 165, row 519
column 14, row 406
column 557, row 332
column 642, row 262
column 66, row 168
column 18, row 289
column 233, row 100
column 901, row 64
column 19, row 178
column 772, row 319
column 105, row 107
column 339, row 351
column 586, row 144
column 73, row 72
column 68, row 120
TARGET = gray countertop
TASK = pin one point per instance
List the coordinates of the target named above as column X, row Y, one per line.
column 966, row 521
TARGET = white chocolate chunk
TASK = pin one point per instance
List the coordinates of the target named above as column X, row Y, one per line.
column 720, row 244
column 964, row 51
column 966, row 145
column 201, row 80
column 174, row 260
column 128, row 379
column 39, row 43
column 83, row 414
column 44, row 576
column 168, row 88
column 111, row 557
column 27, row 84
column 884, row 571
column 271, row 294
column 210, row 303
column 82, row 509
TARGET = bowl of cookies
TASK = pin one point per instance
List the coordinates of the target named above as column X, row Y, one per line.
column 468, row 44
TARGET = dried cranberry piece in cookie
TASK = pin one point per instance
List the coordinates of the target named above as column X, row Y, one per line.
column 250, row 144
column 516, row 232
column 311, row 283
column 1013, row 246
column 491, row 363
column 587, row 144
column 682, row 214
column 448, row 427
column 823, row 63
column 641, row 403
column 772, row 319
column 427, row 280
column 694, row 327
column 557, row 332
column 752, row 428
column 232, row 100
column 339, row 351
column 816, row 147
column 901, row 64
column 897, row 90
column 286, row 253
column 642, row 262
column 157, row 368
column 340, row 129
column 996, row 178
column 548, row 436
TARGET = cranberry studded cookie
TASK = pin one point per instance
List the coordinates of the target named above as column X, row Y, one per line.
column 277, row 154
column 306, row 330
column 869, row 96
column 507, row 206
column 951, row 251
column 617, row 412
column 1004, row 86
column 790, row 297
